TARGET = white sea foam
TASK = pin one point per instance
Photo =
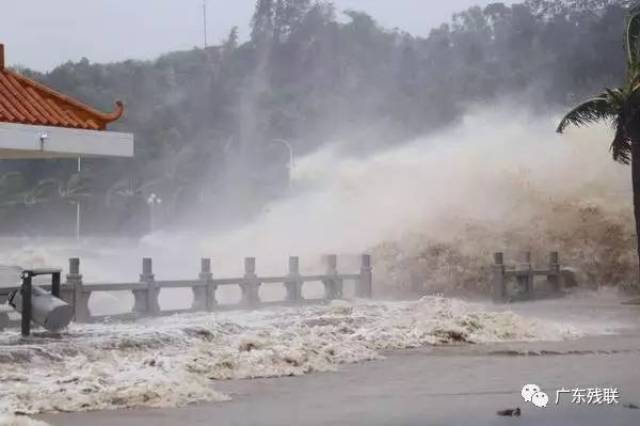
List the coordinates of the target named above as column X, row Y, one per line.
column 20, row 421
column 169, row 362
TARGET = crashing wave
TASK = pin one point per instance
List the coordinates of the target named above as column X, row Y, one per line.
column 170, row 362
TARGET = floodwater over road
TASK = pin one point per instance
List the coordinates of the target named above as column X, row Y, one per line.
column 437, row 361
column 168, row 362
column 441, row 387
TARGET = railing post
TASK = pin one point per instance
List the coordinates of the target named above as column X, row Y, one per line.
column 526, row 279
column 140, row 301
column 147, row 277
column 365, row 284
column 499, row 288
column 250, row 285
column 67, row 292
column 80, row 297
column 530, row 276
column 212, row 288
column 332, row 284
column 199, row 292
column 204, row 296
column 26, row 304
column 554, row 272
column 55, row 284
column 293, row 283
column 4, row 320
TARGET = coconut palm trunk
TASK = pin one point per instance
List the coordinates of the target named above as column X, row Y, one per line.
column 635, row 178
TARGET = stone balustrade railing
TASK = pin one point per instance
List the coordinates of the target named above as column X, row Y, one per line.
column 147, row 290
column 515, row 282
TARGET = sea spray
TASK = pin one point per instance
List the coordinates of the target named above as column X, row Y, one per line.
column 434, row 209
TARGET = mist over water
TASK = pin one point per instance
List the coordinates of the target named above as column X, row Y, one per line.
column 501, row 179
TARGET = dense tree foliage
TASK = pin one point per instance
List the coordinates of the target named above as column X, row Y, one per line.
column 205, row 119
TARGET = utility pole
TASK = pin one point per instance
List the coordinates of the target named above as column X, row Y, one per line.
column 204, row 20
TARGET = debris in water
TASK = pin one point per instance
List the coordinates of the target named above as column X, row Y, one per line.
column 514, row 412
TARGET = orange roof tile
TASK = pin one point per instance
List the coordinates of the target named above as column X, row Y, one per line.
column 25, row 101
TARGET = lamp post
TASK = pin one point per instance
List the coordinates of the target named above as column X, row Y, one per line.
column 153, row 201
column 292, row 163
column 204, row 20
column 78, row 205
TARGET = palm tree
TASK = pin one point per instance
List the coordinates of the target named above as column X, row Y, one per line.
column 621, row 108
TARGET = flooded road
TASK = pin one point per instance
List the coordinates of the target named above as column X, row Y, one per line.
column 442, row 385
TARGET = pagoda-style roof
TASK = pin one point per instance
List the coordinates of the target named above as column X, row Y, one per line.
column 25, row 101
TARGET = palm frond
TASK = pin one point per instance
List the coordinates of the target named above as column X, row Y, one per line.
column 621, row 146
column 594, row 110
column 633, row 79
column 616, row 98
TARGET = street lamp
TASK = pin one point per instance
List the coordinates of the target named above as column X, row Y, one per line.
column 153, row 201
column 204, row 20
column 292, row 163
column 79, row 168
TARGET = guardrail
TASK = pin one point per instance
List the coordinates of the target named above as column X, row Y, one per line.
column 524, row 275
column 147, row 290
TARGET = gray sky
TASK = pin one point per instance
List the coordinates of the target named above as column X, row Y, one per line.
column 43, row 33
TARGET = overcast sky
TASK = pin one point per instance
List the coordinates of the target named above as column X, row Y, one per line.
column 44, row 33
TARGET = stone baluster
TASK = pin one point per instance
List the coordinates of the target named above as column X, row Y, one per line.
column 365, row 284
column 250, row 285
column 554, row 268
column 499, row 284
column 141, row 300
column 153, row 291
column 204, row 296
column 293, row 283
column 80, row 298
column 525, row 279
column 332, row 284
